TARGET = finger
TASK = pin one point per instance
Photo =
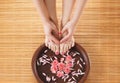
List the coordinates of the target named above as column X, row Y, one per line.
column 61, row 49
column 54, row 39
column 57, row 49
column 69, row 45
column 52, row 46
column 46, row 43
column 55, row 28
column 73, row 42
column 65, row 48
column 66, row 38
column 64, row 29
column 49, row 45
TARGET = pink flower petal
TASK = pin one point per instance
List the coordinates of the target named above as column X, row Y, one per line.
column 62, row 59
column 60, row 73
column 67, row 70
column 68, row 58
column 54, row 69
column 69, row 64
column 61, row 66
column 55, row 62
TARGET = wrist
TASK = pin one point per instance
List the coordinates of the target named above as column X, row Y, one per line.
column 73, row 22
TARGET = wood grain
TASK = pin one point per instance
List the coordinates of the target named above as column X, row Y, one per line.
column 21, row 33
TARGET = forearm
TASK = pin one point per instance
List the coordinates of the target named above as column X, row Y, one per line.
column 42, row 10
column 78, row 10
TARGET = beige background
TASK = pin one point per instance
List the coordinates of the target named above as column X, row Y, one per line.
column 21, row 33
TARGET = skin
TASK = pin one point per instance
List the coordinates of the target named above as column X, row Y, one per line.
column 68, row 25
column 66, row 13
column 47, row 12
column 51, row 6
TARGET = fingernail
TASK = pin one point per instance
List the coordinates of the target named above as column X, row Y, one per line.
column 60, row 32
column 57, row 53
column 63, row 53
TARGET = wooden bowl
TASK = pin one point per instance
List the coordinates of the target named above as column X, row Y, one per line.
column 38, row 53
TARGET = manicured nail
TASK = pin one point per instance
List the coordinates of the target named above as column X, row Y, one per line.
column 63, row 53
column 57, row 53
column 60, row 32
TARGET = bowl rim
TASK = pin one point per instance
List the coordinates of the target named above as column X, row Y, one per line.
column 43, row 47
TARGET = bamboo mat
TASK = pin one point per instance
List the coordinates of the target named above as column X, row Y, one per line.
column 21, row 33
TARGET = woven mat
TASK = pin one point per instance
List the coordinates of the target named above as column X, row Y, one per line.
column 21, row 32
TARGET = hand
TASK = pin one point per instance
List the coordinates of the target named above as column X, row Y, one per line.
column 68, row 29
column 49, row 28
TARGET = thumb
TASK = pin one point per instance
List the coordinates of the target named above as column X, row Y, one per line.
column 64, row 29
column 66, row 38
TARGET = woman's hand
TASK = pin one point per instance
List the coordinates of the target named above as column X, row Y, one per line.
column 49, row 29
column 68, row 30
